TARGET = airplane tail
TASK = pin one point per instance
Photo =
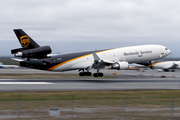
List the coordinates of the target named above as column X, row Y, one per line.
column 25, row 40
column 30, row 49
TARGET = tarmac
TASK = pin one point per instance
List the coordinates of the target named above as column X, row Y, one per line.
column 124, row 80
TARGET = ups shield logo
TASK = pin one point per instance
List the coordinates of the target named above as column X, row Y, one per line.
column 24, row 40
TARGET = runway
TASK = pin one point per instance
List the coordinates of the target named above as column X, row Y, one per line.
column 87, row 85
column 126, row 80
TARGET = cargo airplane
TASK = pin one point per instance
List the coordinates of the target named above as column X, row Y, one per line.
column 163, row 65
column 35, row 56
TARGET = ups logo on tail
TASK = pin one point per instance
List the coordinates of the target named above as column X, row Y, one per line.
column 24, row 40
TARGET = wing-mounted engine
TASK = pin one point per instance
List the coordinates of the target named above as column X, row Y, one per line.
column 38, row 52
column 124, row 65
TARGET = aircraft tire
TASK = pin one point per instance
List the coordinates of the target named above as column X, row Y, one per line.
column 95, row 74
column 85, row 74
column 100, row 74
column 89, row 73
column 166, row 70
column 81, row 74
column 152, row 67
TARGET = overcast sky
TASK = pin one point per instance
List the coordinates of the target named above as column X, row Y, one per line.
column 76, row 25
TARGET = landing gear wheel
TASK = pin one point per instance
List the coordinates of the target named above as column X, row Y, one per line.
column 152, row 67
column 95, row 74
column 85, row 74
column 98, row 74
column 89, row 73
column 81, row 74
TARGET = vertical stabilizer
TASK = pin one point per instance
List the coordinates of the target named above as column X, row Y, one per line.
column 30, row 49
column 25, row 40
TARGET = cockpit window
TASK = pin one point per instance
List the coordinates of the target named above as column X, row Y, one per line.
column 166, row 49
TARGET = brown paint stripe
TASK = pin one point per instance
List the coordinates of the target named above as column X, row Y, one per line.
column 50, row 69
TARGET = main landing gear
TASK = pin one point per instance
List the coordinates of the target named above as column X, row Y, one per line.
column 89, row 74
column 85, row 74
column 98, row 74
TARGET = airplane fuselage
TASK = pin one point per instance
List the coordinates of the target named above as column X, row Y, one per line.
column 81, row 60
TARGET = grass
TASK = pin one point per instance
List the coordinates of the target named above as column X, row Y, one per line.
column 8, row 61
column 131, row 96
column 93, row 104
column 139, row 99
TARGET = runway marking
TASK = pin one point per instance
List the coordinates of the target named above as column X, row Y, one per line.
column 30, row 83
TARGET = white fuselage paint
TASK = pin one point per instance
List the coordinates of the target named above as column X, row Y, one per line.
column 167, row 65
column 132, row 54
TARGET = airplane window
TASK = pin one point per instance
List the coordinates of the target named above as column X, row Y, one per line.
column 166, row 49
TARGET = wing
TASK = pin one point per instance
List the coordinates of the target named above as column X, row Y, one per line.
column 100, row 63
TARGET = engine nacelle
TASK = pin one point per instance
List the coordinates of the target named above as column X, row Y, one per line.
column 34, row 53
column 124, row 65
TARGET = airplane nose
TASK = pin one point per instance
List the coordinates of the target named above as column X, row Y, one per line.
column 168, row 52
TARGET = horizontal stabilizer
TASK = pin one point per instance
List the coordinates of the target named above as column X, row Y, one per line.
column 19, row 60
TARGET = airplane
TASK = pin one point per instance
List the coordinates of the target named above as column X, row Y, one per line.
column 8, row 66
column 34, row 56
column 163, row 65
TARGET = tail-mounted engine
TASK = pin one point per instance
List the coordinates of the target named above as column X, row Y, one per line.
column 38, row 52
column 120, row 65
